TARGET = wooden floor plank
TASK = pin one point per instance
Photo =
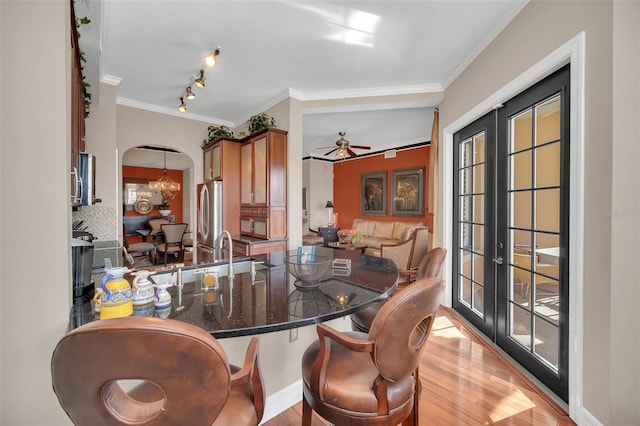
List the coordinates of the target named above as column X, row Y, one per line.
column 466, row 382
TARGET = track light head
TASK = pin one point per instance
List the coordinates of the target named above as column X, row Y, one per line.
column 200, row 80
column 212, row 58
column 189, row 94
column 182, row 107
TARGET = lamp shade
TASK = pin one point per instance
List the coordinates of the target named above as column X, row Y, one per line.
column 329, row 204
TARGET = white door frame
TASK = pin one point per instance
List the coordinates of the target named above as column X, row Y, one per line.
column 572, row 52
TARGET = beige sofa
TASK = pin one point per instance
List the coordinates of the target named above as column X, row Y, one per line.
column 375, row 232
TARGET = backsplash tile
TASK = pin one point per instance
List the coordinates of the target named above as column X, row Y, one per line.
column 101, row 221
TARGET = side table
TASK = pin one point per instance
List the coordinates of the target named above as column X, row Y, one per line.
column 329, row 233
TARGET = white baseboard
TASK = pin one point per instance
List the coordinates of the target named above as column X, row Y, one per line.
column 587, row 419
column 282, row 400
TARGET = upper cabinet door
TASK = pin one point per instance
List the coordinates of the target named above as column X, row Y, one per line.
column 246, row 184
column 260, row 171
column 216, row 165
column 206, row 165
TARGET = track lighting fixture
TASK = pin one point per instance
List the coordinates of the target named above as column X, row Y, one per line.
column 211, row 58
column 200, row 80
column 189, row 94
column 182, row 107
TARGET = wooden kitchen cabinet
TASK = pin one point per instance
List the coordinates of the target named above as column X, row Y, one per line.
column 221, row 158
column 263, row 188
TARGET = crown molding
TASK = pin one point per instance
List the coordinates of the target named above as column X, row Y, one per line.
column 171, row 111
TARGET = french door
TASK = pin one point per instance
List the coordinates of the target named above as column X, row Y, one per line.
column 511, row 221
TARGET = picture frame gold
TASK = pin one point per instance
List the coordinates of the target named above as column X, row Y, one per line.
column 373, row 194
column 407, row 191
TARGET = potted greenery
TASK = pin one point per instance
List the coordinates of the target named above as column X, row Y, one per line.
column 260, row 121
column 215, row 132
column 164, row 208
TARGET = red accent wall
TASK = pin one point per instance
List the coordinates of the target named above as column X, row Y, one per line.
column 154, row 174
column 346, row 184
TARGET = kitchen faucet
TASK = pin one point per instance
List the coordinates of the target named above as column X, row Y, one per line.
column 218, row 246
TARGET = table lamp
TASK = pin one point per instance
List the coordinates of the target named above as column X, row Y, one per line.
column 330, row 207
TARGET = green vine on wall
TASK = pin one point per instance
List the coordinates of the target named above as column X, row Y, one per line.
column 85, row 84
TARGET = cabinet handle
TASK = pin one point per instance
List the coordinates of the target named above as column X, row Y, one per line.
column 76, row 179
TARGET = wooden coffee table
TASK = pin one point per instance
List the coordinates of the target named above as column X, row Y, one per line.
column 348, row 246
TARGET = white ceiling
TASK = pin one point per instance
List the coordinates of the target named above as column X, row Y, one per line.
column 373, row 69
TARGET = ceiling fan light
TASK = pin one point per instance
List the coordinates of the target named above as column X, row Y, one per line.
column 212, row 58
column 189, row 94
column 182, row 107
column 200, row 80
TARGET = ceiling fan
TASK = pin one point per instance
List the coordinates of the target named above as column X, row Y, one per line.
column 343, row 148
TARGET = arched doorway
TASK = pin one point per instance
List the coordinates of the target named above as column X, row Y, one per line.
column 140, row 202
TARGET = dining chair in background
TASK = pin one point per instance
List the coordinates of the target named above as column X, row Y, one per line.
column 430, row 266
column 135, row 250
column 359, row 378
column 182, row 374
column 173, row 234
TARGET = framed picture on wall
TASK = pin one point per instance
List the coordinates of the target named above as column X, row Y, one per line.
column 373, row 194
column 407, row 192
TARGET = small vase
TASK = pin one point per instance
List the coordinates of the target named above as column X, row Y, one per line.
column 165, row 212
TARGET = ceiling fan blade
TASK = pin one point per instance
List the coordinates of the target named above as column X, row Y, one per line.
column 334, row 149
column 360, row 147
column 351, row 153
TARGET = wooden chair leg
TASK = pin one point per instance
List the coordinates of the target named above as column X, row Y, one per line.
column 306, row 412
column 414, row 417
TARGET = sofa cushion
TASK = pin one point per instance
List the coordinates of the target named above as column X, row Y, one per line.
column 383, row 230
column 398, row 229
column 364, row 227
column 375, row 242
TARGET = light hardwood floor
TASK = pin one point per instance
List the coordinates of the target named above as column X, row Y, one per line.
column 466, row 382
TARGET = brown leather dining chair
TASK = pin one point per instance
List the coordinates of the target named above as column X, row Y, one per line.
column 430, row 266
column 354, row 378
column 184, row 376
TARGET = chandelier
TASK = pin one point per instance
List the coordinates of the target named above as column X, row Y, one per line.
column 165, row 186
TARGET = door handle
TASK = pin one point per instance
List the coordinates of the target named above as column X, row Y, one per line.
column 499, row 260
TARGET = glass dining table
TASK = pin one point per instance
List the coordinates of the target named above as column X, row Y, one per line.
column 263, row 296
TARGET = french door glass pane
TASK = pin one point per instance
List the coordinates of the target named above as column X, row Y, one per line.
column 548, row 121
column 521, row 131
column 521, row 207
column 521, row 170
column 478, row 298
column 548, row 210
column 521, row 326
column 478, row 209
column 548, row 165
column 546, row 341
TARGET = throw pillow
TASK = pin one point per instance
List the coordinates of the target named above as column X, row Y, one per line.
column 361, row 227
column 398, row 230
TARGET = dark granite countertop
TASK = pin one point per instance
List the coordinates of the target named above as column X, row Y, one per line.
column 270, row 302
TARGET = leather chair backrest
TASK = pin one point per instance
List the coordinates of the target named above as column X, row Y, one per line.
column 432, row 262
column 188, row 366
column 401, row 327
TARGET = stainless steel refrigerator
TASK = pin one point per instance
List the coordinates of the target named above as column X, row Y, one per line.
column 209, row 218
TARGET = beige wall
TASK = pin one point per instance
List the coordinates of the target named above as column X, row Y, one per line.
column 35, row 213
column 625, row 217
column 538, row 30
